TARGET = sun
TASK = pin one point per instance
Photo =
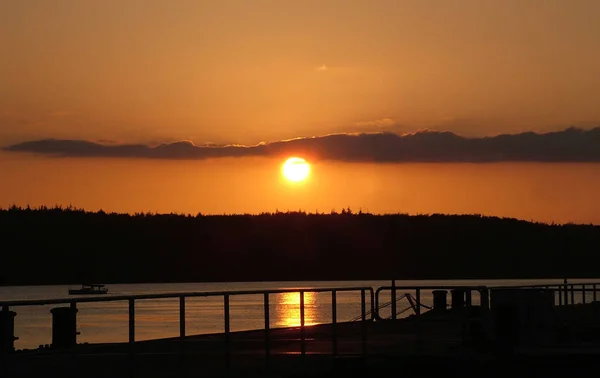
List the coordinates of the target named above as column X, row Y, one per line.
column 295, row 169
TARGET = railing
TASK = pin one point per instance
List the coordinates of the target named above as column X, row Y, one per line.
column 226, row 295
column 567, row 294
column 468, row 290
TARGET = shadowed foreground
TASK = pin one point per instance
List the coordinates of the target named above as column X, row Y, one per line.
column 417, row 348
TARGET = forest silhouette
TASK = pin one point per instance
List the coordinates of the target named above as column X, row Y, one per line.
column 67, row 246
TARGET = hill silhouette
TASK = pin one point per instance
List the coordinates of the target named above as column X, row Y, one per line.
column 66, row 246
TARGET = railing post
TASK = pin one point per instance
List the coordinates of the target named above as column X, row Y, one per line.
column 131, row 322
column 227, row 330
column 393, row 299
column 583, row 293
column 182, row 318
column 594, row 291
column 572, row 294
column 363, row 325
column 267, row 326
column 363, row 305
column 334, row 322
column 484, row 295
column 468, row 297
column 560, row 295
column 302, row 327
column 566, row 295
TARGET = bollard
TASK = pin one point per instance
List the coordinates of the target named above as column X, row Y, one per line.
column 7, row 331
column 64, row 327
column 458, row 298
column 440, row 300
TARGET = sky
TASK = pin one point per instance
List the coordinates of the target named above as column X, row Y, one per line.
column 238, row 71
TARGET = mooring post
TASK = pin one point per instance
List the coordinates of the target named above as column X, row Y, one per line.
column 7, row 331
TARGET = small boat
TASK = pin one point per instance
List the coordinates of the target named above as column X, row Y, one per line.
column 89, row 289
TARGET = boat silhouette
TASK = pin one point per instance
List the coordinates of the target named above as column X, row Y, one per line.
column 89, row 289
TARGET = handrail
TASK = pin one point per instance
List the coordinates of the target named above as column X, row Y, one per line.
column 111, row 298
column 5, row 306
column 385, row 305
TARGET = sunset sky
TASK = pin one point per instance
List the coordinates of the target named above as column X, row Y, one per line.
column 240, row 71
column 140, row 87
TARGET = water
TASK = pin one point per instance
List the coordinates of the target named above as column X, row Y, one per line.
column 108, row 321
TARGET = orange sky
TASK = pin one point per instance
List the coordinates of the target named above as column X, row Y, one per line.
column 247, row 71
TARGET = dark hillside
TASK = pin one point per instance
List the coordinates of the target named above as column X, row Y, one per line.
column 52, row 246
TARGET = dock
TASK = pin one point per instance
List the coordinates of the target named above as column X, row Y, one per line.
column 548, row 328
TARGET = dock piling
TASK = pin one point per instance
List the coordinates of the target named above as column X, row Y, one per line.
column 7, row 330
column 440, row 300
column 64, row 327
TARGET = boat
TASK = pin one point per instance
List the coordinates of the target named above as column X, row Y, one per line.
column 89, row 289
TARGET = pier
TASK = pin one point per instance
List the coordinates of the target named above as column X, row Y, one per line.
column 467, row 328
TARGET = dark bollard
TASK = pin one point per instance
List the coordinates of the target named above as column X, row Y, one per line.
column 458, row 298
column 64, row 327
column 7, row 331
column 440, row 300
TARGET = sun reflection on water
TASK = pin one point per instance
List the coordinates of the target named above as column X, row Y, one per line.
column 288, row 310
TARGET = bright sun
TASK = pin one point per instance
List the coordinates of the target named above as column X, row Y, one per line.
column 295, row 169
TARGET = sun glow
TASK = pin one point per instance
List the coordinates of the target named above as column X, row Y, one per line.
column 295, row 169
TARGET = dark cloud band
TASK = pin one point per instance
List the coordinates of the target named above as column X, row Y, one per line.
column 570, row 145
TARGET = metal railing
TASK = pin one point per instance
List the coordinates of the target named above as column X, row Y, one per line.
column 226, row 295
column 468, row 291
column 567, row 293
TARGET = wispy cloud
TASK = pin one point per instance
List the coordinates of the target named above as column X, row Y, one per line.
column 383, row 123
column 322, row 68
column 570, row 145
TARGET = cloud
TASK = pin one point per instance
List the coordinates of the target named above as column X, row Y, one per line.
column 570, row 145
column 322, row 68
column 383, row 123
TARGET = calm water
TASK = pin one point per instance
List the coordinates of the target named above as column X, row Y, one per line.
column 531, row 191
column 108, row 321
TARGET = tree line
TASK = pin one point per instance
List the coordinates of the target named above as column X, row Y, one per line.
column 66, row 246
